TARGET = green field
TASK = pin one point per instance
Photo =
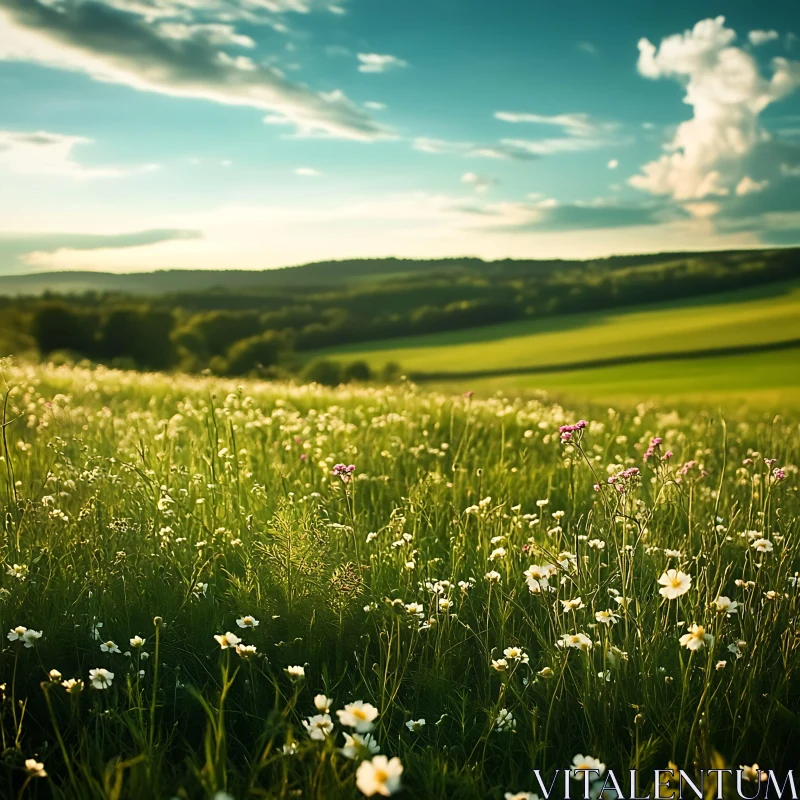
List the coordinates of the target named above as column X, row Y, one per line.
column 731, row 320
column 198, row 603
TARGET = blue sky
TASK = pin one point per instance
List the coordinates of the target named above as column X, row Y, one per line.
column 146, row 134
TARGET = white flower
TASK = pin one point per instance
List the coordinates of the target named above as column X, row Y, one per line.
column 54, row 675
column 355, row 744
column 30, row 637
column 607, row 617
column 581, row 763
column 753, row 773
column 696, row 639
column 762, row 546
column 100, row 678
column 295, row 673
column 597, row 544
column 504, row 721
column 415, row 609
column 672, row 553
column 516, row 653
column 415, row 725
column 579, row 641
column 674, row 583
column 724, row 605
column 18, row 571
column 73, row 685
column 109, row 647
column 572, row 605
column 227, row 640
column 247, row 622
column 379, row 776
column 319, row 726
column 290, row 749
column 499, row 664
column 358, row 715
column 497, row 553
column 492, row 576
column 16, row 634
column 246, row 650
column 35, row 768
column 137, row 642
column 322, row 703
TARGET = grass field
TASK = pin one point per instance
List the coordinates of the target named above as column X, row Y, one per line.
column 737, row 319
column 201, row 604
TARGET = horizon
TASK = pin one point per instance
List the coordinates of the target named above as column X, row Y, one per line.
column 240, row 135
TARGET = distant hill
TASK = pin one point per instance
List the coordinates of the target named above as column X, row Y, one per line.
column 324, row 274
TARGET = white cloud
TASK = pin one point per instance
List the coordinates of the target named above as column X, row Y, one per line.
column 613, row 164
column 307, row 172
column 169, row 58
column 501, row 151
column 727, row 92
column 373, row 62
column 588, row 47
column 761, row 37
column 581, row 132
column 372, row 105
column 748, row 186
column 480, row 183
column 43, row 153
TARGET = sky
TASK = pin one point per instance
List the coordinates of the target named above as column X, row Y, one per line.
column 158, row 134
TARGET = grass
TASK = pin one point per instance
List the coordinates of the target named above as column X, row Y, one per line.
column 751, row 317
column 169, row 507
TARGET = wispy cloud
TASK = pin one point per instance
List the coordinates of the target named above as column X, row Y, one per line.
column 374, row 62
column 120, row 46
column 44, row 153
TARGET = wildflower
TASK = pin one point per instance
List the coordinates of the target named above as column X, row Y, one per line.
column 504, row 721
column 720, row 665
column 753, row 773
column 322, row 703
column 73, row 685
column 492, row 576
column 137, row 642
column 246, row 650
column 762, row 546
column 672, row 553
column 415, row 725
column 499, row 665
column 607, row 617
column 379, row 776
column 355, row 745
column 318, row 726
column 578, row 641
column 247, row 622
column 596, row 544
column 16, row 634
column 568, row 431
column 344, row 471
column 290, row 748
column 100, row 678
column 545, row 673
column 497, row 553
column 674, row 583
column 109, row 647
column 572, row 605
column 227, row 640
column 54, row 675
column 18, row 571
column 724, row 605
column 516, row 653
column 35, row 768
column 415, row 609
column 358, row 715
column 696, row 639
column 295, row 673
column 445, row 604
column 582, row 763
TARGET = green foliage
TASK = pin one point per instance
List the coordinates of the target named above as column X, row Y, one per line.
column 257, row 352
column 323, row 371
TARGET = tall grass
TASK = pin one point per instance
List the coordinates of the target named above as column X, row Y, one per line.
column 170, row 507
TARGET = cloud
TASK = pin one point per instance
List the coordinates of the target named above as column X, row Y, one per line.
column 549, row 215
column 373, row 62
column 501, row 151
column 43, row 153
column 707, row 156
column 33, row 249
column 748, row 186
column 307, row 172
column 588, row 47
column 480, row 183
column 116, row 44
column 613, row 164
column 372, row 105
column 581, row 132
column 761, row 37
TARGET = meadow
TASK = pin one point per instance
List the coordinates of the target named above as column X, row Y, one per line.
column 234, row 589
column 660, row 344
